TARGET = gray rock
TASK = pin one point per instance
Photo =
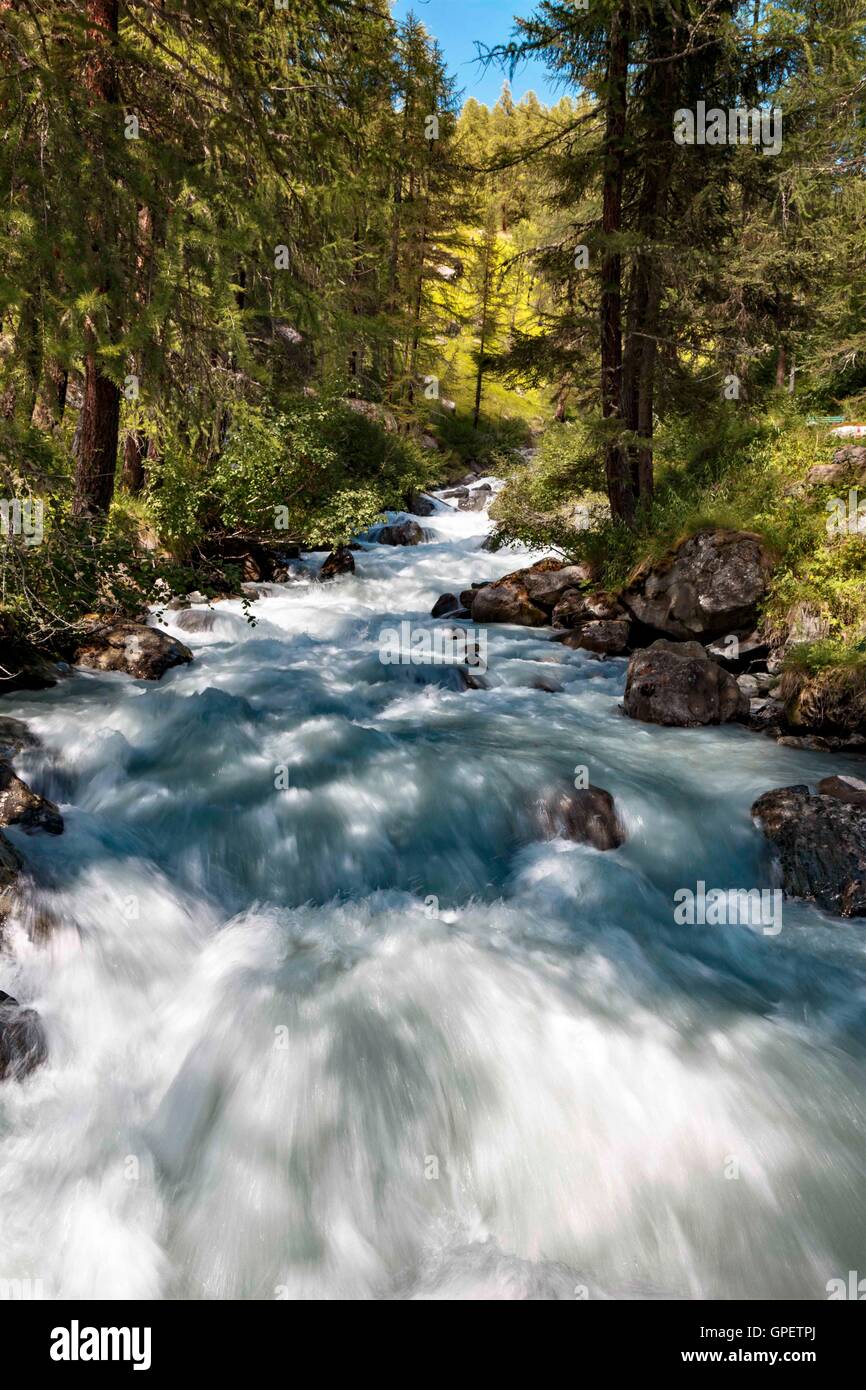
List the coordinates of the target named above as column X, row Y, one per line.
column 747, row 650
column 25, row 808
column 471, row 680
column 15, row 736
column 547, row 586
column 607, row 636
column 11, row 865
column 401, row 533
column 468, row 596
column 475, row 499
column 196, row 619
column 419, row 504
column 675, row 683
column 573, row 608
column 22, row 1039
column 587, row 815
column 547, row 683
column 813, row 742
column 506, row 601
column 821, row 845
column 710, row 585
column 23, row 666
column 804, row 623
column 141, row 651
column 766, row 715
column 848, row 466
column 848, row 789
column 340, row 561
column 445, row 604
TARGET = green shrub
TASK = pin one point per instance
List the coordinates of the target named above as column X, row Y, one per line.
column 316, row 471
column 493, row 446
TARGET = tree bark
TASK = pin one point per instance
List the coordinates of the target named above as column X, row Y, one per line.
column 134, row 450
column 639, row 358
column 619, row 485
column 489, row 239
column 100, row 422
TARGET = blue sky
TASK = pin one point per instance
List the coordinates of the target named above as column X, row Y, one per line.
column 458, row 23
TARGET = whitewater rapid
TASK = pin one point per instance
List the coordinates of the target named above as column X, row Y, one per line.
column 328, row 1019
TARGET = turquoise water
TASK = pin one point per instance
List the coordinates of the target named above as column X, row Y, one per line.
column 328, row 1019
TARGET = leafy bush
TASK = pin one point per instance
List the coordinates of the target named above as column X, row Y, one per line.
column 493, row 446
column 316, row 472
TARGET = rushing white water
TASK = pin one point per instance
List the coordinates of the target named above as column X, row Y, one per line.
column 327, row 1019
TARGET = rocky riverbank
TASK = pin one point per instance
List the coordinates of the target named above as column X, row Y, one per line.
column 698, row 655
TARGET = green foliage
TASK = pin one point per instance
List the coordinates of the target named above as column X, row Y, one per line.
column 830, row 654
column 743, row 472
column 538, row 505
column 493, row 446
column 316, row 471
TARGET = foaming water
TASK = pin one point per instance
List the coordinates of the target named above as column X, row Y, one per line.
column 327, row 1019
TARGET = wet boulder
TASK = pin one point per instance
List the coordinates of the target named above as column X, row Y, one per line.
column 22, row 1039
column 11, row 865
column 476, row 498
column 15, row 737
column 587, row 815
column 607, row 637
column 419, row 504
column 574, row 608
column 406, row 532
column 25, row 808
column 507, row 601
column 711, row 584
column 468, row 596
column 23, row 666
column 141, row 651
column 547, row 581
column 196, row 620
column 549, row 684
column 340, row 561
column 676, row 683
column 445, row 604
column 471, row 680
column 820, row 842
column 848, row 789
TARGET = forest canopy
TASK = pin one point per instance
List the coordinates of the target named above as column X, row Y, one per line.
column 261, row 259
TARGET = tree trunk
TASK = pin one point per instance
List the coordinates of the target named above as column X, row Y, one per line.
column 647, row 286
column 619, row 485
column 51, row 401
column 134, row 449
column 100, row 422
column 489, row 237
column 100, row 427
